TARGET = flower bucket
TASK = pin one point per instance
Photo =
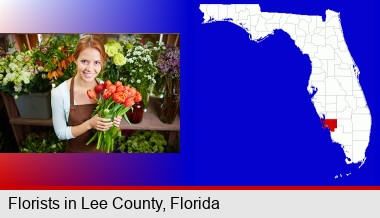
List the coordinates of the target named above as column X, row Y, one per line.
column 170, row 105
column 34, row 105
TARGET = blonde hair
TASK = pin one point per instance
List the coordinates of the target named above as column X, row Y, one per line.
column 89, row 41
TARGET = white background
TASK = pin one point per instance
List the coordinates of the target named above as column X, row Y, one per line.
column 232, row 203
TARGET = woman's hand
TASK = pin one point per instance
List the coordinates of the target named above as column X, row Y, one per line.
column 116, row 121
column 98, row 123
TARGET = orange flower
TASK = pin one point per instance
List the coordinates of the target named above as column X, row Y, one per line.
column 129, row 102
column 118, row 84
column 132, row 92
column 91, row 94
column 55, row 74
column 71, row 58
column 107, row 94
column 138, row 97
column 111, row 88
column 63, row 64
column 107, row 83
column 121, row 88
column 119, row 97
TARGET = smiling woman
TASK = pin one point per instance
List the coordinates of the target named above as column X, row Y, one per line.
column 71, row 107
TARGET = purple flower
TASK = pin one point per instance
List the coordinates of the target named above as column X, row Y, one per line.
column 169, row 60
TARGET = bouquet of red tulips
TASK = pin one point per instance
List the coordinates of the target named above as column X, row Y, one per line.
column 115, row 101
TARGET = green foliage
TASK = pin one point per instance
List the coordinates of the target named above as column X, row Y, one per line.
column 43, row 142
column 35, row 70
column 55, row 57
column 143, row 142
column 137, row 63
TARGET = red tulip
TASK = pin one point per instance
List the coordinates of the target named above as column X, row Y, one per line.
column 107, row 83
column 132, row 91
column 120, row 88
column 107, row 94
column 111, row 88
column 129, row 102
column 91, row 94
column 119, row 97
column 99, row 88
column 138, row 97
column 118, row 84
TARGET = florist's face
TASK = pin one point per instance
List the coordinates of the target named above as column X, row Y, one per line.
column 89, row 64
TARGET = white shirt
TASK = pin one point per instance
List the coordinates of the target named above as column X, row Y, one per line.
column 60, row 105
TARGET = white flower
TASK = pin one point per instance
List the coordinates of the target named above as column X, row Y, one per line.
column 18, row 87
column 13, row 66
column 20, row 57
column 25, row 76
column 138, row 81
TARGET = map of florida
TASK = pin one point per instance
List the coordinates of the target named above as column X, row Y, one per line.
column 338, row 97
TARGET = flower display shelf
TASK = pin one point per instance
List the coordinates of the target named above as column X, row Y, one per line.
column 22, row 126
column 151, row 121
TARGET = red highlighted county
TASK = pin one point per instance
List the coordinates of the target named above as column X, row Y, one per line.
column 332, row 124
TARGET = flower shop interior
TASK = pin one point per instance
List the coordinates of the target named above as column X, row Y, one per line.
column 32, row 65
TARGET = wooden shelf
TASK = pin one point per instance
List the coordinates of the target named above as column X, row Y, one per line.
column 151, row 121
column 32, row 122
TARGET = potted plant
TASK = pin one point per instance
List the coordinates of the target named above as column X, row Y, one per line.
column 168, row 63
column 43, row 142
column 140, row 68
column 30, row 75
column 142, row 142
column 132, row 61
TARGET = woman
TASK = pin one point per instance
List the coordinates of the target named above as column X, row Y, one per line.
column 71, row 107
